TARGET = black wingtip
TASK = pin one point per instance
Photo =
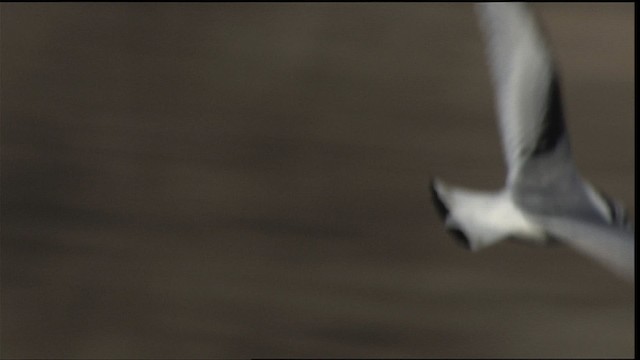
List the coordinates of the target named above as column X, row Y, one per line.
column 553, row 128
column 441, row 208
column 459, row 237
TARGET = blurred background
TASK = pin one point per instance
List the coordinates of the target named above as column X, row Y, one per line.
column 251, row 180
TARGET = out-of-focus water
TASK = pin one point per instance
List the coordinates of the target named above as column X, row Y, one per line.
column 250, row 180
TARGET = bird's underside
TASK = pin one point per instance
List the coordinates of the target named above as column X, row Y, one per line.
column 545, row 199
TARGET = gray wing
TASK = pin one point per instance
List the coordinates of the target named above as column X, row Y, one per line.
column 612, row 246
column 542, row 177
column 534, row 139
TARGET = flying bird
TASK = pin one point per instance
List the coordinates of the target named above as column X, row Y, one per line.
column 545, row 199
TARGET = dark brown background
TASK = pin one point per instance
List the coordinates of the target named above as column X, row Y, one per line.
column 237, row 180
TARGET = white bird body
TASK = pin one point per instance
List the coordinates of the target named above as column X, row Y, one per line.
column 544, row 199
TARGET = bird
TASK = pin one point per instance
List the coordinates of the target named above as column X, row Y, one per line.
column 545, row 200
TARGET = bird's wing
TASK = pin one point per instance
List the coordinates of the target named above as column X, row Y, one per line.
column 542, row 177
column 534, row 138
column 611, row 245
